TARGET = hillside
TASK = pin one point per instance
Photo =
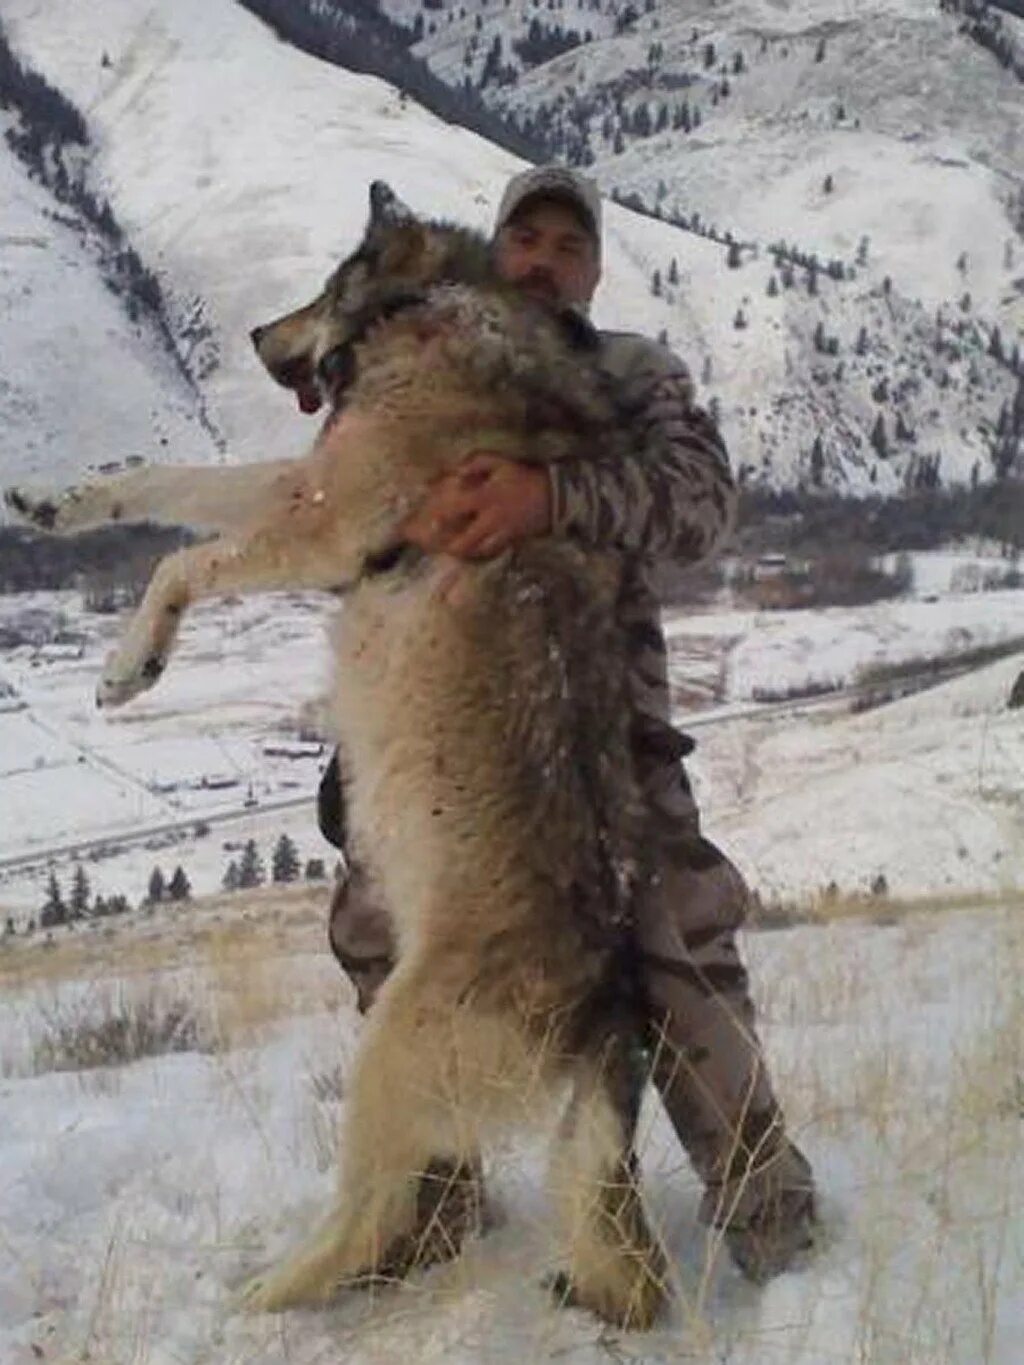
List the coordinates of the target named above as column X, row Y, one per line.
column 245, row 204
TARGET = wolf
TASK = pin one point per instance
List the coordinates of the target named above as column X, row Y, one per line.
column 483, row 711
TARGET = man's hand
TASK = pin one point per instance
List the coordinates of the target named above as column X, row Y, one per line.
column 485, row 506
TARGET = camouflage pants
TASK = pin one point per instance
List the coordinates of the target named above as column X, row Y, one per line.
column 705, row 1056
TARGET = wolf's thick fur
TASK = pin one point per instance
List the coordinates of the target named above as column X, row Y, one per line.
column 484, row 715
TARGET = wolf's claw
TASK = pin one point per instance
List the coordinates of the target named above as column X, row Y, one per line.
column 40, row 512
column 120, row 683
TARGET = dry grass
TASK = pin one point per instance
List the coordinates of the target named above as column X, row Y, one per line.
column 826, row 908
column 112, row 1027
column 917, row 1140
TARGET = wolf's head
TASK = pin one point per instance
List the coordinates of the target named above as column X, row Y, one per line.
column 400, row 258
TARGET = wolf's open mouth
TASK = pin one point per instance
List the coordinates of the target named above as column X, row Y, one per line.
column 297, row 375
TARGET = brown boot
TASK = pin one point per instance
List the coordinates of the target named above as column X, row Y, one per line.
column 772, row 1219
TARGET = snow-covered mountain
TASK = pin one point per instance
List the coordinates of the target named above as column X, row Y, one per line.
column 238, row 166
column 879, row 135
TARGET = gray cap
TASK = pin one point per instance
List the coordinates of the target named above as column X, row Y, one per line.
column 552, row 182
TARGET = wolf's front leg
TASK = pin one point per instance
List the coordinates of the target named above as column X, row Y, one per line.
column 140, row 656
column 301, row 553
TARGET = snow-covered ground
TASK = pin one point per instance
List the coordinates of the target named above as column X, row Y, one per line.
column 138, row 1198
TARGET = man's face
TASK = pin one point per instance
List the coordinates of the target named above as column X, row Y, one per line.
column 548, row 252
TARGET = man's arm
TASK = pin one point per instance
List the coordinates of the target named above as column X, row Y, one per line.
column 673, row 496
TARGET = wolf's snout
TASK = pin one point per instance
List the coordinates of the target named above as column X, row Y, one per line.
column 256, row 336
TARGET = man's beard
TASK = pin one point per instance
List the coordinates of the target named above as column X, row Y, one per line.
column 540, row 285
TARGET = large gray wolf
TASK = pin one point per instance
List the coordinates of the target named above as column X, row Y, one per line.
column 483, row 712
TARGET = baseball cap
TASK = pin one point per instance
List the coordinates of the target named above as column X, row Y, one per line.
column 553, row 182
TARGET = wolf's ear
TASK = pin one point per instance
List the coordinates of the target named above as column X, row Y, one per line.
column 385, row 206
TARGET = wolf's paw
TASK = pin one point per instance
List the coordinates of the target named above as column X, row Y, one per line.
column 75, row 508
column 126, row 674
column 277, row 1291
column 37, row 510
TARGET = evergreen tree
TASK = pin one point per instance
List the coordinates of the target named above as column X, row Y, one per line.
column 773, row 287
column 879, row 439
column 250, row 869
column 230, row 879
column 179, row 888
column 673, row 271
column 861, row 346
column 819, row 336
column 817, row 461
column 819, row 55
column 733, row 258
column 829, row 184
column 656, row 284
column 284, row 866
column 157, row 887
column 315, row 870
column 740, row 320
column 995, row 344
column 53, row 911
column 78, row 902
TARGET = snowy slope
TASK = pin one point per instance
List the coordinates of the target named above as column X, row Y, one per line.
column 79, row 383
column 239, row 165
column 918, row 129
column 138, row 1198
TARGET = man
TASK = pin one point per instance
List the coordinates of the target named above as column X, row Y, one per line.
column 673, row 499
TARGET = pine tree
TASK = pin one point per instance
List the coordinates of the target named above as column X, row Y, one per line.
column 656, row 284
column 230, row 879
column 861, row 346
column 819, row 55
column 879, row 439
column 54, row 911
column 673, row 271
column 250, row 869
column 157, row 887
column 740, row 320
column 179, row 888
column 773, row 287
column 733, row 258
column 817, row 461
column 819, row 336
column 284, row 866
column 829, row 184
column 315, row 870
column 78, row 902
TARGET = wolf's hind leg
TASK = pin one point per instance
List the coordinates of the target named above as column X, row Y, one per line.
column 411, row 1134
column 614, row 1264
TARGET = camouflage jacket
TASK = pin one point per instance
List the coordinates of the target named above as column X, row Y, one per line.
column 672, row 499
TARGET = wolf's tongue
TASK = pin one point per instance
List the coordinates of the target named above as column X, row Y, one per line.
column 309, row 398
